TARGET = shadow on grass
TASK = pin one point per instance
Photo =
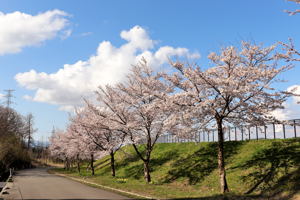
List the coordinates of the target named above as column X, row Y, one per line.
column 99, row 165
column 197, row 166
column 276, row 170
column 227, row 197
column 137, row 170
column 129, row 158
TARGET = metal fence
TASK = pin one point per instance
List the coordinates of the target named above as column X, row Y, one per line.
column 289, row 129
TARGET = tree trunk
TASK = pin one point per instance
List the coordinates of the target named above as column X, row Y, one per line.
column 92, row 164
column 221, row 163
column 78, row 164
column 147, row 171
column 28, row 143
column 112, row 163
column 67, row 164
column 146, row 161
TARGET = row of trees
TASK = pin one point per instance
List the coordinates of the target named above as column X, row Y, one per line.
column 15, row 139
column 235, row 89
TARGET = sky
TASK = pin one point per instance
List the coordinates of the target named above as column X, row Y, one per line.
column 55, row 52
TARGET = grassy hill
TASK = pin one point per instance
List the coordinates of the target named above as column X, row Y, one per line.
column 255, row 169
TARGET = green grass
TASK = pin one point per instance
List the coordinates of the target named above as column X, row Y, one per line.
column 262, row 169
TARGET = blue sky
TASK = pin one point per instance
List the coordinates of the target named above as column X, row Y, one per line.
column 197, row 26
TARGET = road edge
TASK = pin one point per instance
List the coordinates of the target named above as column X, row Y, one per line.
column 130, row 194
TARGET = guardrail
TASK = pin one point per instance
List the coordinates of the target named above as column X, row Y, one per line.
column 9, row 179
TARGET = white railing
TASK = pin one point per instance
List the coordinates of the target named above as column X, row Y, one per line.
column 289, row 129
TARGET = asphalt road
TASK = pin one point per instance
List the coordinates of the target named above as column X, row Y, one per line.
column 39, row 184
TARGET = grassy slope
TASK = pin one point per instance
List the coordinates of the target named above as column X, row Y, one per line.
column 264, row 168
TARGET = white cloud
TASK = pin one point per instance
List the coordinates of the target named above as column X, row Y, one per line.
column 65, row 34
column 109, row 65
column 296, row 90
column 86, row 34
column 27, row 97
column 291, row 108
column 19, row 30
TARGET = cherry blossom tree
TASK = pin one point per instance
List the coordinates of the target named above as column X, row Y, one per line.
column 76, row 149
column 98, row 133
column 87, row 145
column 69, row 146
column 138, row 108
column 291, row 53
column 58, row 147
column 235, row 90
column 295, row 11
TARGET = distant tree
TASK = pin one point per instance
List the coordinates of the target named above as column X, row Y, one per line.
column 12, row 152
column 58, row 145
column 11, row 123
column 235, row 90
column 75, row 151
column 95, row 136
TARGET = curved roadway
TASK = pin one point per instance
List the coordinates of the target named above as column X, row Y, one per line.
column 39, row 184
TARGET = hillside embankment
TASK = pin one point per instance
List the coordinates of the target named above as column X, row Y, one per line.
column 263, row 169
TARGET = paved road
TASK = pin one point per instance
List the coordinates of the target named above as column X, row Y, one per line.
column 38, row 184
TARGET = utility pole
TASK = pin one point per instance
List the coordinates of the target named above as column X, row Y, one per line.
column 29, row 118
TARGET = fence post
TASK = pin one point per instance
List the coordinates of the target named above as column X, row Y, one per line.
column 199, row 136
column 274, row 131
column 213, row 135
column 265, row 132
column 229, row 133
column 203, row 136
column 235, row 133
column 295, row 130
column 208, row 136
column 256, row 132
column 249, row 132
column 283, row 127
column 242, row 129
